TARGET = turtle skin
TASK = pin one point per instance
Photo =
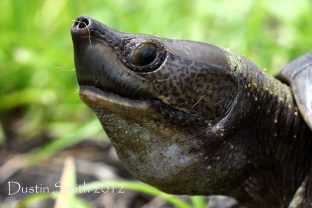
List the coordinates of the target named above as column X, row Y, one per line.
column 197, row 119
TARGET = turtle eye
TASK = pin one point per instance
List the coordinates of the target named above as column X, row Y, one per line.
column 143, row 55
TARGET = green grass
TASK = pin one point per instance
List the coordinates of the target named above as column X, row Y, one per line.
column 36, row 59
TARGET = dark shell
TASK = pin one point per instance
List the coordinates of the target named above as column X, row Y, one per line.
column 298, row 75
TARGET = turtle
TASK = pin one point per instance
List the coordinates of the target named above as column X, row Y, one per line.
column 193, row 118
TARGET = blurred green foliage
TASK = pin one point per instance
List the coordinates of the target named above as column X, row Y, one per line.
column 36, row 59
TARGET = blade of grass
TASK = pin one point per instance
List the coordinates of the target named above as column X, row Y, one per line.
column 68, row 180
column 135, row 186
column 36, row 198
column 198, row 202
column 67, row 195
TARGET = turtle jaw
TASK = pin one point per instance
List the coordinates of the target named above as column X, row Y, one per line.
column 97, row 98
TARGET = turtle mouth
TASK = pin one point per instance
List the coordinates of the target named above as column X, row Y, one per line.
column 103, row 98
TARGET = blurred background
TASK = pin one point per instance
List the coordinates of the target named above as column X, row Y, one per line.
column 43, row 120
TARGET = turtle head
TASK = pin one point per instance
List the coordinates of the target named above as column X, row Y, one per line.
column 163, row 103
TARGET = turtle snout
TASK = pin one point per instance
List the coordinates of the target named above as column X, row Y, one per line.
column 83, row 27
column 81, row 23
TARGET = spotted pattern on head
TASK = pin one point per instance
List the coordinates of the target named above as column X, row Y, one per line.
column 203, row 91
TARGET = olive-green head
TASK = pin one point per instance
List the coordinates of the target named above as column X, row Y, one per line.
column 163, row 103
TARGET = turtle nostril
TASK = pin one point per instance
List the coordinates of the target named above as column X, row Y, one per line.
column 81, row 22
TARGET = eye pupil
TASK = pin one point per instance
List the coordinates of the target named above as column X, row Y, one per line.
column 143, row 55
column 148, row 55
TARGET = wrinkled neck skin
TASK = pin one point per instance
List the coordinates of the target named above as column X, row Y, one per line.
column 279, row 142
